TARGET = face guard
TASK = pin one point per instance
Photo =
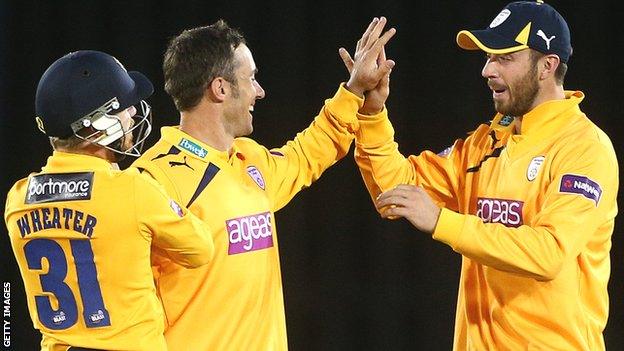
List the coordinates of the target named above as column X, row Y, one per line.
column 104, row 128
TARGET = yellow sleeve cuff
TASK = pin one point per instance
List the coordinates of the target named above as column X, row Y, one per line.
column 343, row 107
column 449, row 227
column 374, row 130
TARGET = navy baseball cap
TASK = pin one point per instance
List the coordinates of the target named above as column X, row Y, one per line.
column 521, row 25
column 82, row 82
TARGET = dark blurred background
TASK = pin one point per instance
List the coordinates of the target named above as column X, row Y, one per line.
column 352, row 281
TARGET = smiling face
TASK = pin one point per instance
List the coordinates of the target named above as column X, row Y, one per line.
column 513, row 79
column 245, row 90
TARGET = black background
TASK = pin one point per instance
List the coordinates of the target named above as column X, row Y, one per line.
column 352, row 281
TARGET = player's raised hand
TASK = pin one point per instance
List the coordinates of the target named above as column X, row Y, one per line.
column 366, row 68
column 375, row 98
column 412, row 203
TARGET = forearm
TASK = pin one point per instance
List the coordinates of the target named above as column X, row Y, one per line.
column 537, row 252
column 303, row 159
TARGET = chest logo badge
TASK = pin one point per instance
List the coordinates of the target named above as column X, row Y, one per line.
column 534, row 167
column 255, row 174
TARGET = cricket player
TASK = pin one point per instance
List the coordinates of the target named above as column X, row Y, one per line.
column 81, row 229
column 528, row 200
column 236, row 185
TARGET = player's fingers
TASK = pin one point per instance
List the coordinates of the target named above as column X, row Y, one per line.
column 346, row 59
column 385, row 80
column 398, row 200
column 394, row 212
column 381, row 57
column 381, row 41
column 406, row 187
column 386, row 194
column 386, row 67
column 367, row 32
column 403, row 191
column 374, row 34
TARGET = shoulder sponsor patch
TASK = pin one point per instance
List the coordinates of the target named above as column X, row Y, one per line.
column 446, row 151
column 193, row 148
column 575, row 184
column 59, row 187
column 255, row 174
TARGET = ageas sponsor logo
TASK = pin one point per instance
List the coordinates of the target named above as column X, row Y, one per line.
column 575, row 184
column 249, row 233
column 507, row 212
column 59, row 187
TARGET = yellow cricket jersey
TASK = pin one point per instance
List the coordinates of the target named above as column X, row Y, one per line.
column 236, row 302
column 532, row 215
column 81, row 232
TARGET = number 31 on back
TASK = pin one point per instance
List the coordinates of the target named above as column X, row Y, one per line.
column 66, row 315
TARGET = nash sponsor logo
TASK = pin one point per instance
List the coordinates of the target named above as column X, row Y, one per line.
column 249, row 233
column 575, row 184
column 97, row 317
column 507, row 212
column 59, row 187
column 193, row 148
column 59, row 318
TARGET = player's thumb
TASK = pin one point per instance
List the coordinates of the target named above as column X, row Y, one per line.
column 346, row 59
column 387, row 66
column 384, row 69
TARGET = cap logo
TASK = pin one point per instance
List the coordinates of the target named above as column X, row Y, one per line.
column 500, row 18
column 542, row 35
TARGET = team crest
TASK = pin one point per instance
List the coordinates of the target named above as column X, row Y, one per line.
column 176, row 208
column 255, row 174
column 534, row 167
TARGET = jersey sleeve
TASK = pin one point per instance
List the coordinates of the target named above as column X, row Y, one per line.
column 174, row 230
column 383, row 166
column 580, row 205
column 302, row 160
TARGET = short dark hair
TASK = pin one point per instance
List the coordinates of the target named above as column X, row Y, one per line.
column 197, row 56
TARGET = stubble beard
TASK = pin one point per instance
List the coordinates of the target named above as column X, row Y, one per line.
column 525, row 93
